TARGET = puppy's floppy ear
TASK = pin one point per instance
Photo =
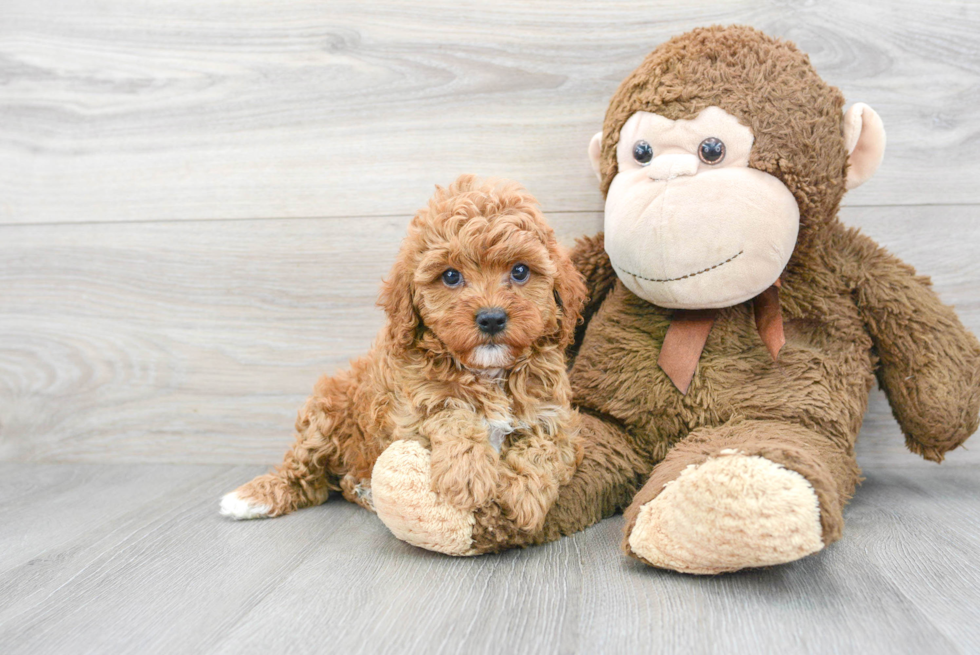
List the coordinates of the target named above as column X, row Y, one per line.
column 570, row 292
column 397, row 299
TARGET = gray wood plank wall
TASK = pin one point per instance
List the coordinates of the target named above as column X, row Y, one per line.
column 197, row 203
column 198, row 200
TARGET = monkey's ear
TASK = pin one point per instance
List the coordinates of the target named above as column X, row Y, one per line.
column 595, row 150
column 864, row 138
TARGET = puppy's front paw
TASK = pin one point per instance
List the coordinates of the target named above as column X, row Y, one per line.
column 465, row 474
column 401, row 486
column 238, row 508
column 526, row 500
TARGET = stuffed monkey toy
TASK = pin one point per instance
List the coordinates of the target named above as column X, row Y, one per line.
column 735, row 327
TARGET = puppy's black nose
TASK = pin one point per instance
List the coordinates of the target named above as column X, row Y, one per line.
column 491, row 320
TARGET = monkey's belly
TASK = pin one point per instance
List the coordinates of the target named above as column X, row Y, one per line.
column 821, row 379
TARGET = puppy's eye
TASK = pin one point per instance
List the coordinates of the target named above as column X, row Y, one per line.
column 520, row 273
column 642, row 152
column 452, row 278
column 711, row 150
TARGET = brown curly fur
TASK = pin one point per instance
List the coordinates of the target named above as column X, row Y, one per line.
column 852, row 312
column 418, row 382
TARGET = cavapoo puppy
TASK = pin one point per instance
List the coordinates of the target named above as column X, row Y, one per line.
column 481, row 304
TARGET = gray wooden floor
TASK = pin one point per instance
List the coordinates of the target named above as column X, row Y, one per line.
column 133, row 558
column 197, row 203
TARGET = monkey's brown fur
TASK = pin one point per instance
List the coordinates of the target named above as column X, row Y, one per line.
column 852, row 312
column 415, row 382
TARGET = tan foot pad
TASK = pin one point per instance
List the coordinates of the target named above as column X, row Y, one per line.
column 403, row 498
column 729, row 513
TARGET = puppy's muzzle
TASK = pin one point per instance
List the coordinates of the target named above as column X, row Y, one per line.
column 491, row 320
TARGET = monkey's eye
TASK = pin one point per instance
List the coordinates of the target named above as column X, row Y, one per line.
column 520, row 273
column 711, row 150
column 452, row 278
column 642, row 153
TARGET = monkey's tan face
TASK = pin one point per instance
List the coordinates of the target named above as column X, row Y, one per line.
column 688, row 224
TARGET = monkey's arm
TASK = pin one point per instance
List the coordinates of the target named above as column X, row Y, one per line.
column 590, row 259
column 929, row 363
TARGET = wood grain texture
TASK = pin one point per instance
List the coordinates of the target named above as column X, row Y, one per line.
column 128, row 110
column 150, row 567
column 197, row 203
column 198, row 341
column 146, row 341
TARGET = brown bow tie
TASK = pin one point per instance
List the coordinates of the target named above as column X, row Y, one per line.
column 689, row 328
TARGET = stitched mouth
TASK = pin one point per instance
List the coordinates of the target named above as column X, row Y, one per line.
column 684, row 277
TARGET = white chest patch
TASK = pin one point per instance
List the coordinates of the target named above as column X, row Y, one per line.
column 495, row 374
column 498, row 432
column 500, row 428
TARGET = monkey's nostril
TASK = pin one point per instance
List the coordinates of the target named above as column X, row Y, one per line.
column 491, row 320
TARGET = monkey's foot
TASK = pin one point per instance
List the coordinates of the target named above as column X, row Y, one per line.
column 401, row 486
column 730, row 512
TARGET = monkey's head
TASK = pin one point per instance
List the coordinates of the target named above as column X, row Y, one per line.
column 723, row 158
